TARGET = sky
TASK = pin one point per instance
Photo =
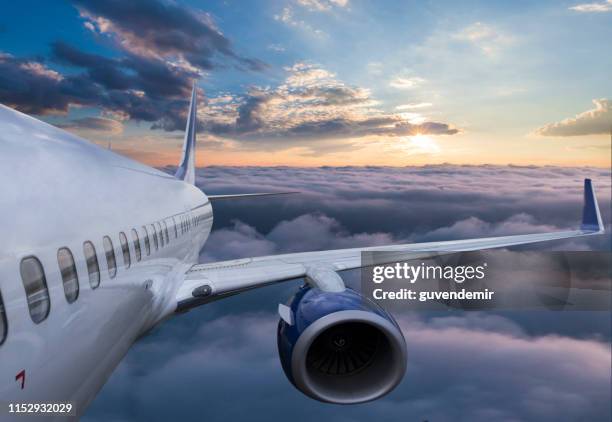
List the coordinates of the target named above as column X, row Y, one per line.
column 397, row 121
column 320, row 82
column 219, row 362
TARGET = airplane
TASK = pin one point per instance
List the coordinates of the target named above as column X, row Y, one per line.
column 97, row 249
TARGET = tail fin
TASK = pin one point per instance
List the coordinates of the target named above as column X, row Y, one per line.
column 186, row 170
column 591, row 217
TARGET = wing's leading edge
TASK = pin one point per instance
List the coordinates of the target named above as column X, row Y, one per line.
column 206, row 282
column 246, row 195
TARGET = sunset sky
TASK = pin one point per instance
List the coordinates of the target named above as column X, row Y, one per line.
column 320, row 82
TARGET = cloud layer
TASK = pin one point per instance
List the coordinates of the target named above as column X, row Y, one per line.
column 450, row 376
column 544, row 366
column 409, row 203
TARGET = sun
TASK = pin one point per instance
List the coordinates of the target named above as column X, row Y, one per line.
column 424, row 144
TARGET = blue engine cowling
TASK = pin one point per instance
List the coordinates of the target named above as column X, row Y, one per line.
column 340, row 347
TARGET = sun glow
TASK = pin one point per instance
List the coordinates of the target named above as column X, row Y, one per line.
column 423, row 144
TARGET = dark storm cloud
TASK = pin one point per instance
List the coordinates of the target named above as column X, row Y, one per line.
column 157, row 78
column 162, row 48
column 162, row 28
column 134, row 87
column 31, row 87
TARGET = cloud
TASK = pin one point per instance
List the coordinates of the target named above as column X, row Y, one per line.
column 597, row 121
column 474, row 227
column 545, row 366
column 287, row 16
column 33, row 88
column 515, row 377
column 162, row 30
column 322, row 5
column 412, row 106
column 308, row 232
column 100, row 124
column 312, row 105
column 598, row 7
column 486, row 38
column 276, row 47
column 412, row 203
column 406, row 83
column 132, row 87
column 161, row 47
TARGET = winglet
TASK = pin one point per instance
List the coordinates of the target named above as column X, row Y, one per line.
column 591, row 217
column 186, row 170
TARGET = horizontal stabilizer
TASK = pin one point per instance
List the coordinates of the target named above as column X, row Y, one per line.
column 246, row 195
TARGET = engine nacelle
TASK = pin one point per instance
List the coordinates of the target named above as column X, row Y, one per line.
column 340, row 347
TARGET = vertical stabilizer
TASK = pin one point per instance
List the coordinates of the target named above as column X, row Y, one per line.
column 186, row 170
column 591, row 216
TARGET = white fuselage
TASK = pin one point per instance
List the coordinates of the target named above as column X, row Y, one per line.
column 59, row 191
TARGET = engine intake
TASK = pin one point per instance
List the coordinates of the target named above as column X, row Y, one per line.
column 340, row 347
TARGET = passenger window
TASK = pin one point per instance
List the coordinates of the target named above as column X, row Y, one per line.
column 3, row 324
column 70, row 278
column 175, row 229
column 146, row 241
column 35, row 284
column 125, row 249
column 154, row 235
column 166, row 231
column 160, row 234
column 93, row 269
column 136, row 245
column 111, row 261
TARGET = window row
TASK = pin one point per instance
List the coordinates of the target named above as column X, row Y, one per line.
column 154, row 237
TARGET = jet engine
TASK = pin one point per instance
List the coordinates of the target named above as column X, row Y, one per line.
column 340, row 347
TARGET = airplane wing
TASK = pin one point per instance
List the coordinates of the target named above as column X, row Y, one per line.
column 213, row 198
column 204, row 283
